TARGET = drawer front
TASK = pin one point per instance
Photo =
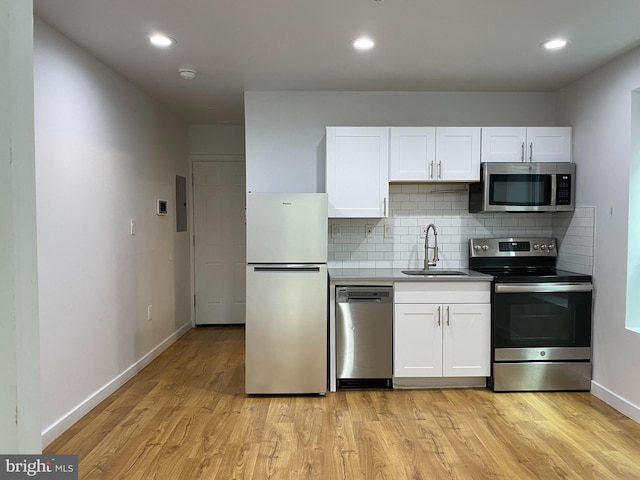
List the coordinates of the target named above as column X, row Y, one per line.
column 442, row 292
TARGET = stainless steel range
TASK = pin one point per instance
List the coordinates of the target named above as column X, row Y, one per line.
column 540, row 316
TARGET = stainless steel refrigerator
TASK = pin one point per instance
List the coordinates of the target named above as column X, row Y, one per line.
column 286, row 323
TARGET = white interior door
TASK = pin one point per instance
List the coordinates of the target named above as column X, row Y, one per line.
column 219, row 229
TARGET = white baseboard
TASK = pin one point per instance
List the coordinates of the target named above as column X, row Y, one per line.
column 622, row 405
column 50, row 433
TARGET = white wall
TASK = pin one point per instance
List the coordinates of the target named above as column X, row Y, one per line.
column 104, row 153
column 19, row 365
column 285, row 131
column 599, row 108
column 216, row 140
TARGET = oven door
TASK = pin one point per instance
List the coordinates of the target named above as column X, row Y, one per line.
column 541, row 321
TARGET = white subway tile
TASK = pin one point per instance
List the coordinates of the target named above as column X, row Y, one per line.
column 409, row 222
column 426, row 206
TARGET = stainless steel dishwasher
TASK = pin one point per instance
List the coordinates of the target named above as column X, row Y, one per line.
column 364, row 336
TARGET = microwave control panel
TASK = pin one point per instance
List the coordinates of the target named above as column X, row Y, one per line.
column 563, row 189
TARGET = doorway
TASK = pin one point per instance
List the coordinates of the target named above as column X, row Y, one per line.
column 219, row 242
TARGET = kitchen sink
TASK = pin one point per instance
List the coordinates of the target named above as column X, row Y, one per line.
column 435, row 272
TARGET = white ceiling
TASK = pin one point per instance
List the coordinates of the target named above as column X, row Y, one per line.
column 238, row 45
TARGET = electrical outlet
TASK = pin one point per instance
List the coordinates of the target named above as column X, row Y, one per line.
column 388, row 231
column 336, row 231
column 423, row 231
column 369, row 231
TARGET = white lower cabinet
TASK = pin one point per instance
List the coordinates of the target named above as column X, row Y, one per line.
column 446, row 338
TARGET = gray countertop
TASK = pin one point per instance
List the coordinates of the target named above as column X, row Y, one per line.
column 381, row 275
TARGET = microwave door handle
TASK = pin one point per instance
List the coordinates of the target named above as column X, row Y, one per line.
column 554, row 189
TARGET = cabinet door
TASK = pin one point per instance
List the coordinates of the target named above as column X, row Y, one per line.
column 358, row 171
column 504, row 144
column 549, row 144
column 412, row 153
column 466, row 340
column 457, row 154
column 417, row 340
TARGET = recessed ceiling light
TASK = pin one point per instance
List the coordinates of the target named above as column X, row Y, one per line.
column 363, row 43
column 160, row 40
column 555, row 44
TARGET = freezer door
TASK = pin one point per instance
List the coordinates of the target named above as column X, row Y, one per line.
column 287, row 227
column 286, row 329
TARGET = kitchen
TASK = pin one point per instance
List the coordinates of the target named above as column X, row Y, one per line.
column 601, row 131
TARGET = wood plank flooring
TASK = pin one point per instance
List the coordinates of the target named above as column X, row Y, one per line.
column 186, row 417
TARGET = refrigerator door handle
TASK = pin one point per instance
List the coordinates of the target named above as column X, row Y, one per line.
column 286, row 268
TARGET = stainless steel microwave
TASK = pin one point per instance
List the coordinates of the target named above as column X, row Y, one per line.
column 523, row 187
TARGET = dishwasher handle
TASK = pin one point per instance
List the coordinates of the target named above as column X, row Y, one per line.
column 362, row 299
column 364, row 294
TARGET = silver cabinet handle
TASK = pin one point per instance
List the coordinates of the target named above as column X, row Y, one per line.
column 531, row 152
column 385, row 207
column 440, row 169
column 431, row 170
column 522, row 153
column 438, row 316
column 448, row 316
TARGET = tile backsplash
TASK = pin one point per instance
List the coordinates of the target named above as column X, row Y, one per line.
column 395, row 242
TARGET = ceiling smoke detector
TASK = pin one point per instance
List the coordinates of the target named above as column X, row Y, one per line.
column 188, row 73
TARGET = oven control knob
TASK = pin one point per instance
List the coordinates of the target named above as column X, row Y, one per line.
column 543, row 353
column 536, row 246
column 485, row 247
column 476, row 248
column 543, row 247
column 551, row 246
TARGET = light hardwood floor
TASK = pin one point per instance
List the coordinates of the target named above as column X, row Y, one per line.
column 186, row 417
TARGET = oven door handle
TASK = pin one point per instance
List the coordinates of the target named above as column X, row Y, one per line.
column 559, row 287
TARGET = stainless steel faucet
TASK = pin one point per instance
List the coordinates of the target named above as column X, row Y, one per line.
column 435, row 259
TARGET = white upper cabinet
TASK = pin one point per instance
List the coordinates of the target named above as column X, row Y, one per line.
column 358, row 171
column 526, row 144
column 503, row 144
column 432, row 154
column 457, row 154
column 413, row 153
column 549, row 144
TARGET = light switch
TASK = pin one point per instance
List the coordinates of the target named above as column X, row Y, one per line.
column 132, row 227
column 161, row 207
